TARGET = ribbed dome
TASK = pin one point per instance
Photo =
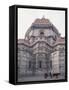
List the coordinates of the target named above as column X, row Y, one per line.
column 42, row 23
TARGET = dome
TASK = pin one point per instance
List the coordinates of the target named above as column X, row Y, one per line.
column 39, row 26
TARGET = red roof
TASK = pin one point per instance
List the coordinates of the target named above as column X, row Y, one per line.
column 23, row 41
column 60, row 40
column 41, row 21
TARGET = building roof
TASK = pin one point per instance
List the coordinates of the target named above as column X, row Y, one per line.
column 42, row 23
column 23, row 41
column 60, row 40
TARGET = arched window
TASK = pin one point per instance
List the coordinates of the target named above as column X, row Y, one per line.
column 29, row 64
column 41, row 33
column 55, row 37
column 40, row 64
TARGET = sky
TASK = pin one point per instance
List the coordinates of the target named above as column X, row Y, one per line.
column 27, row 16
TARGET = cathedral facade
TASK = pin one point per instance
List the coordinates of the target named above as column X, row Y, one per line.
column 41, row 54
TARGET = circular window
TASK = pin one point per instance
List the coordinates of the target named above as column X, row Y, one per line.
column 41, row 33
